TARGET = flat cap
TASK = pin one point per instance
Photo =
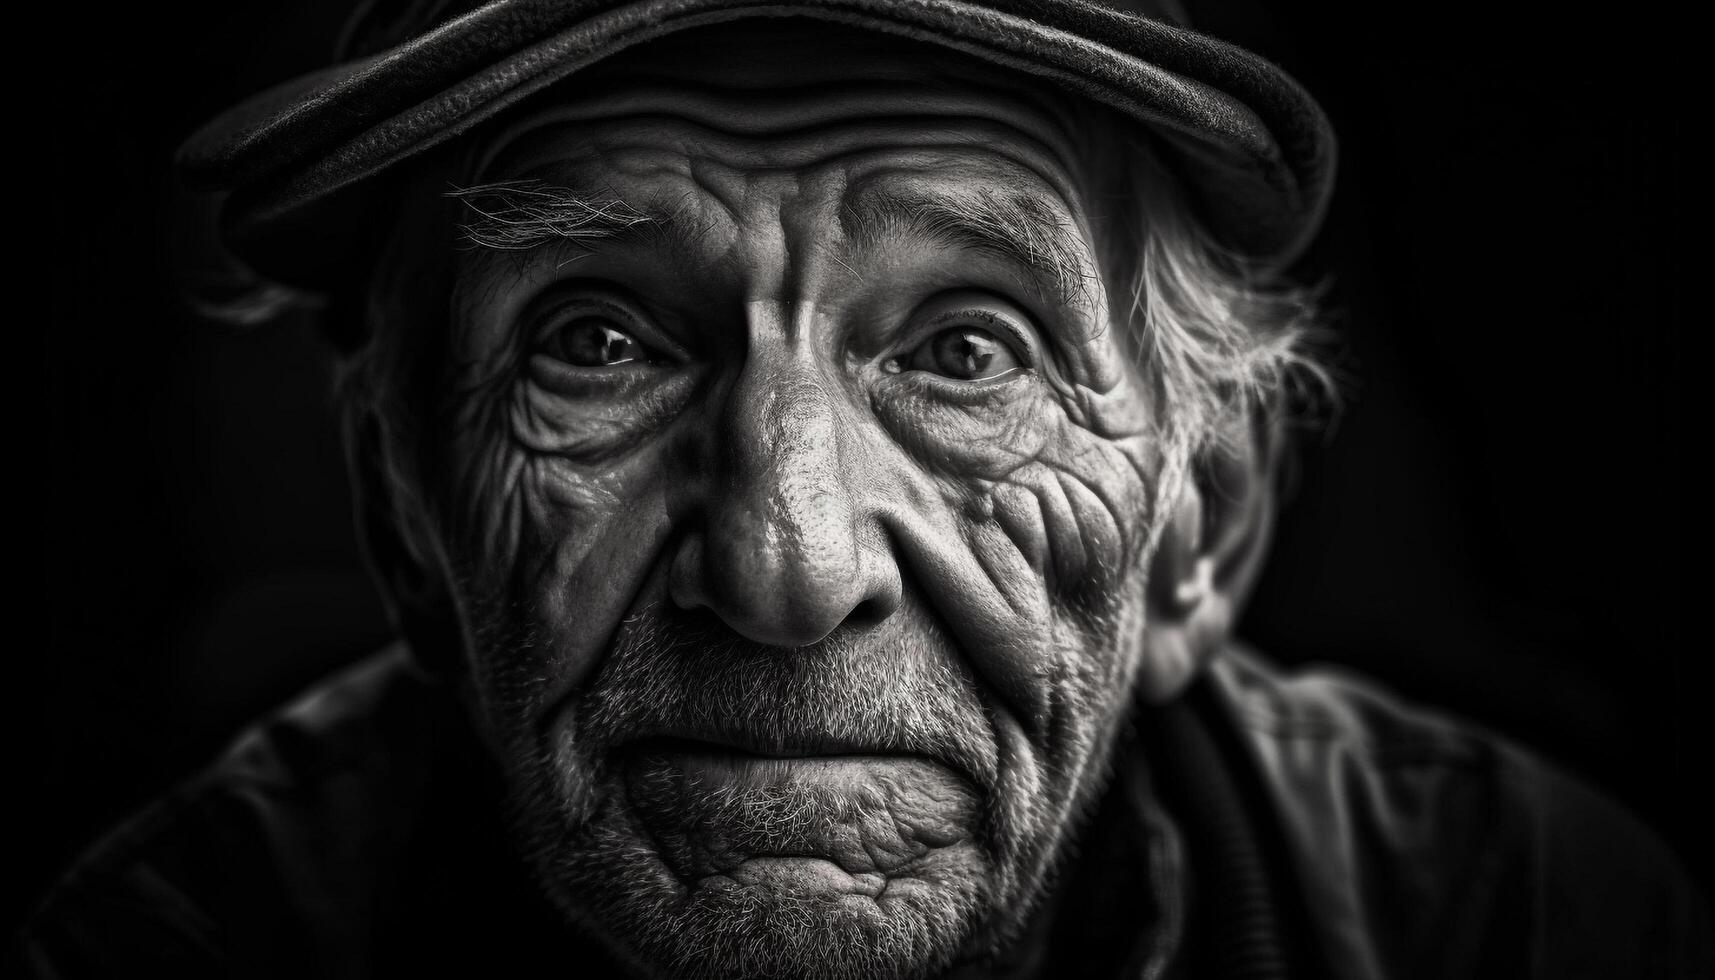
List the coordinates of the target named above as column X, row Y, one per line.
column 301, row 164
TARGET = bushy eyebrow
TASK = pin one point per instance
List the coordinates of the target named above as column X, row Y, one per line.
column 1018, row 228
column 516, row 216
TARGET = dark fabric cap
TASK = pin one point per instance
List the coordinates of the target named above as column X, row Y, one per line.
column 302, row 161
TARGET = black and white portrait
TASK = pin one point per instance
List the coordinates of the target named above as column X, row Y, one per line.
column 861, row 488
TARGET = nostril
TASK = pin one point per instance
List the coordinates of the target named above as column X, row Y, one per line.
column 868, row 614
column 754, row 608
column 685, row 575
column 879, row 591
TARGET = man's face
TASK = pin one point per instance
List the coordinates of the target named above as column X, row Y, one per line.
column 800, row 499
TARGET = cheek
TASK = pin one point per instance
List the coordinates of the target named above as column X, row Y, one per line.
column 1050, row 494
column 1048, row 501
column 1064, row 474
column 561, row 516
column 965, row 435
column 1080, row 518
column 1046, row 489
column 1080, row 515
column 591, row 420
column 1077, row 520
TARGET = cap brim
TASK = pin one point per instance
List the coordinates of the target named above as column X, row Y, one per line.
column 1256, row 149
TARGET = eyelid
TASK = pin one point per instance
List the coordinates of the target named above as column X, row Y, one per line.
column 1022, row 336
column 584, row 299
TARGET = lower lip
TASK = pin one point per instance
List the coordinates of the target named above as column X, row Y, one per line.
column 855, row 818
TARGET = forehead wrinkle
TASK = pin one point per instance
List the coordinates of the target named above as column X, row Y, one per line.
column 1027, row 223
column 747, row 138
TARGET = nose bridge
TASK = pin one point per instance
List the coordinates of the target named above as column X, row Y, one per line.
column 782, row 444
column 782, row 554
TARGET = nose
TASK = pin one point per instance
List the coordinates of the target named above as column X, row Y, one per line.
column 786, row 553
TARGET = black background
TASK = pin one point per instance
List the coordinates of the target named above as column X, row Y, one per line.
column 1496, row 524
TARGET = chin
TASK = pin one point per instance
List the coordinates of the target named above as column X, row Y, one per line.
column 781, row 916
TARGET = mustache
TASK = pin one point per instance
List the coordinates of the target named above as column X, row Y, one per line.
column 896, row 689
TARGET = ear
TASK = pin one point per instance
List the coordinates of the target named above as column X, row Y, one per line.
column 405, row 556
column 1208, row 558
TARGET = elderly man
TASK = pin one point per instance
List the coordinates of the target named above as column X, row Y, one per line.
column 814, row 455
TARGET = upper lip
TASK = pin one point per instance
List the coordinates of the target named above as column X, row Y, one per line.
column 766, row 747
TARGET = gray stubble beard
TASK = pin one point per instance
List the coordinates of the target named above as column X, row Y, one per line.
column 594, row 858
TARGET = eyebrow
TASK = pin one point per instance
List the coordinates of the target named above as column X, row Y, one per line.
column 517, row 216
column 1018, row 228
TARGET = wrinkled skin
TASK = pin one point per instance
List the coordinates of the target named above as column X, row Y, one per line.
column 803, row 547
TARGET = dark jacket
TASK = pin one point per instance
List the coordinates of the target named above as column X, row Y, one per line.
column 1322, row 830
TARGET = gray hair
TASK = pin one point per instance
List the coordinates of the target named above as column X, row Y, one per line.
column 1224, row 341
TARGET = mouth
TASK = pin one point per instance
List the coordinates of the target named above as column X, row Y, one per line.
column 742, row 746
column 746, row 745
column 808, row 817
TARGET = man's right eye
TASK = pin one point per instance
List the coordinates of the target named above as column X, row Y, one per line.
column 594, row 341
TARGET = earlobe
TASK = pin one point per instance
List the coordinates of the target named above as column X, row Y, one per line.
column 1203, row 568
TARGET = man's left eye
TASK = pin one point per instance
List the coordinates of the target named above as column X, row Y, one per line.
column 965, row 354
column 593, row 341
